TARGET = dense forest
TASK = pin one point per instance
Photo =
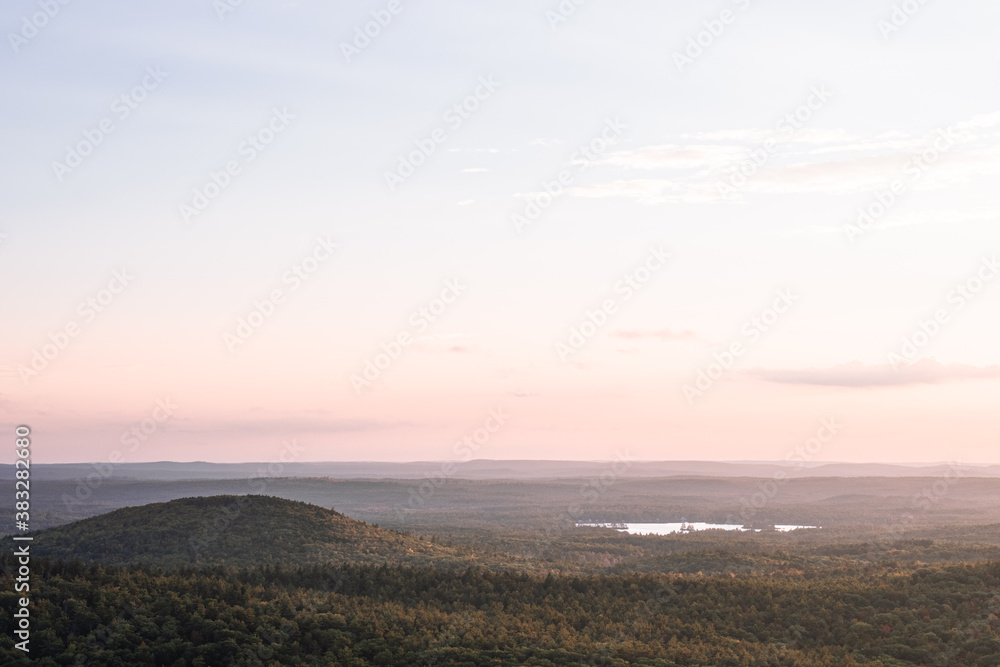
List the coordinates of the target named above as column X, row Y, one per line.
column 256, row 580
column 393, row 615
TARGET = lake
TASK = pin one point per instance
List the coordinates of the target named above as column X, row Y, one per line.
column 683, row 527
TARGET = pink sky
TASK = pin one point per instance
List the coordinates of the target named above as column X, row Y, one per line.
column 676, row 219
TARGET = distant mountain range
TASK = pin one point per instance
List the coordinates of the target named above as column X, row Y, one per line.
column 490, row 469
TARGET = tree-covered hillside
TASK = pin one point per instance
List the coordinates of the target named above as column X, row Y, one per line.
column 237, row 531
column 388, row 615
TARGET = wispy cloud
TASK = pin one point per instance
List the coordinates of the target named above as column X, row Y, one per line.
column 820, row 161
column 869, row 173
column 857, row 374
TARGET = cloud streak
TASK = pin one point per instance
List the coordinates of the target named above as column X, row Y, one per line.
column 827, row 162
column 857, row 374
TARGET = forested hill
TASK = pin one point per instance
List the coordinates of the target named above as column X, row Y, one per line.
column 237, row 531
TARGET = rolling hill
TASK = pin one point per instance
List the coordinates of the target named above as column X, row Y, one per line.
column 237, row 531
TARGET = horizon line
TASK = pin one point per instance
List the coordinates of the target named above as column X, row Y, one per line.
column 791, row 463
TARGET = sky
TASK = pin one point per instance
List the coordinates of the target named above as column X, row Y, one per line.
column 380, row 230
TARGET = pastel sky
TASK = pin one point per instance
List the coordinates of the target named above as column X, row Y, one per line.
column 827, row 106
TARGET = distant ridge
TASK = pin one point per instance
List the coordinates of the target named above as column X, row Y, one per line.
column 493, row 469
